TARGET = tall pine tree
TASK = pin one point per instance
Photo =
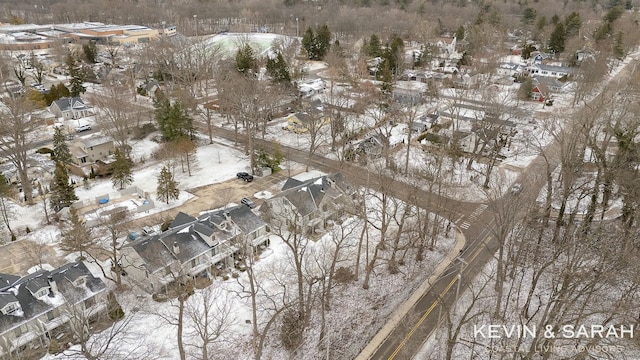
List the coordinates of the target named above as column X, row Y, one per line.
column 246, row 62
column 78, row 236
column 121, row 168
column 61, row 151
column 173, row 120
column 558, row 36
column 62, row 192
column 167, row 187
column 77, row 77
column 278, row 69
column 317, row 45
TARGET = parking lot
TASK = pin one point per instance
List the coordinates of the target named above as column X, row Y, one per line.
column 218, row 195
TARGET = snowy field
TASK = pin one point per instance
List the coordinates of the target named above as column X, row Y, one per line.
column 229, row 43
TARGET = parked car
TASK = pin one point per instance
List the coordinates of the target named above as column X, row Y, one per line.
column 82, row 128
column 248, row 202
column 245, row 176
column 516, row 188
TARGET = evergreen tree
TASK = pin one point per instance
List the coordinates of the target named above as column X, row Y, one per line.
column 61, row 151
column 374, row 47
column 78, row 237
column 90, row 52
column 572, row 24
column 556, row 41
column 542, row 22
column 278, row 69
column 121, row 168
column 76, row 74
column 386, row 77
column 246, row 60
column 529, row 16
column 317, row 45
column 618, row 46
column 460, row 33
column 308, row 42
column 173, row 120
column 62, row 193
column 323, row 42
column 167, row 187
column 603, row 31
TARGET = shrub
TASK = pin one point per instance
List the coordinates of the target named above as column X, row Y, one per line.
column 113, row 307
column 54, row 347
column 344, row 275
column 159, row 297
column 27, row 230
column 291, row 330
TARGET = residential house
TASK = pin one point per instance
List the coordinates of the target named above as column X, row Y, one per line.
column 312, row 117
column 467, row 79
column 540, row 93
column 372, row 146
column 89, row 149
column 309, row 206
column 311, row 87
column 408, row 95
column 549, row 70
column 510, row 69
column 45, row 305
column 537, row 57
column 554, row 85
column 194, row 246
column 70, row 108
column 425, row 122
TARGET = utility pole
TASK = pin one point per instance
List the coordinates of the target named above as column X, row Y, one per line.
column 195, row 23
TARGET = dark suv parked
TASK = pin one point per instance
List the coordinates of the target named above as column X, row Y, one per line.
column 245, row 176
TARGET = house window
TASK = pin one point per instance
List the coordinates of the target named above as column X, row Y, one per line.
column 193, row 263
column 91, row 148
column 50, row 315
column 214, row 251
column 42, row 292
column 324, row 207
column 79, row 281
column 11, row 308
column 83, row 159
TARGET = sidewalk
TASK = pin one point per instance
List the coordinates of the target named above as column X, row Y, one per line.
column 400, row 313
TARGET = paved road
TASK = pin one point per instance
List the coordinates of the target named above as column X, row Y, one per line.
column 479, row 223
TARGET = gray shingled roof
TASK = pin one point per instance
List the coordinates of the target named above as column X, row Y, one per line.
column 307, row 196
column 32, row 307
column 66, row 103
column 190, row 245
column 7, row 280
column 154, row 253
column 291, row 183
column 181, row 219
column 246, row 220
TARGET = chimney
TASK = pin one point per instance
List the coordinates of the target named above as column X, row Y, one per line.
column 52, row 285
column 176, row 248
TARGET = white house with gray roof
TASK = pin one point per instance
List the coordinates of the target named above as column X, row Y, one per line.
column 70, row 108
column 40, row 306
column 310, row 205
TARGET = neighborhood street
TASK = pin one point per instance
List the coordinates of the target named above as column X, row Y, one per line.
column 476, row 221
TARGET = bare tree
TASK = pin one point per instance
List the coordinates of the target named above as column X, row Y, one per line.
column 211, row 316
column 16, row 125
